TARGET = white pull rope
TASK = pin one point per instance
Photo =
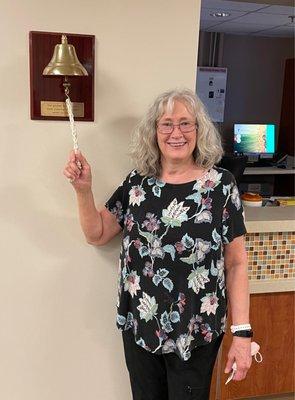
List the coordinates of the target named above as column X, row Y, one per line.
column 73, row 128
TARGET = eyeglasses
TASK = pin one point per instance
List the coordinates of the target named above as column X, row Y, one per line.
column 168, row 127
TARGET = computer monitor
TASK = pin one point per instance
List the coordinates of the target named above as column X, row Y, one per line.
column 255, row 139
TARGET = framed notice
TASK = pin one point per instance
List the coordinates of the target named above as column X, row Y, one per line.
column 211, row 88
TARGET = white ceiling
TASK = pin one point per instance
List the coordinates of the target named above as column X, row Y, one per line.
column 247, row 18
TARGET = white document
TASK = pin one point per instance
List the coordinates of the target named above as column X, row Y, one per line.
column 211, row 88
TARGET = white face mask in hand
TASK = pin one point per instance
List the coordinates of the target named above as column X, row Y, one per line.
column 254, row 352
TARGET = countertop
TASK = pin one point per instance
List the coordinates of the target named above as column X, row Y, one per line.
column 270, row 219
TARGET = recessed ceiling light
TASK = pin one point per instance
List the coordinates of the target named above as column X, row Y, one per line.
column 220, row 14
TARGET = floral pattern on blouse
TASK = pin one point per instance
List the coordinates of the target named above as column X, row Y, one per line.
column 171, row 278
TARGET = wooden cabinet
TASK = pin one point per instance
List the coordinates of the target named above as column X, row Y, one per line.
column 272, row 319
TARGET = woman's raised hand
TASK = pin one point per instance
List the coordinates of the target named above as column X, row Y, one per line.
column 80, row 178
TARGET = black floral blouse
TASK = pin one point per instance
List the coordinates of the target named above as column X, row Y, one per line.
column 171, row 278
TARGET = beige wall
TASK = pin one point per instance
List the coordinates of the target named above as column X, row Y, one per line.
column 58, row 339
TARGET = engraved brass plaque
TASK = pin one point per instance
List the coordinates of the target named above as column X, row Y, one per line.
column 59, row 109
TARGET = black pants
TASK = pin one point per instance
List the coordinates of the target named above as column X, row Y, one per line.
column 166, row 376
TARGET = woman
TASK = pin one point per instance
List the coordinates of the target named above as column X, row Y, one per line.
column 182, row 254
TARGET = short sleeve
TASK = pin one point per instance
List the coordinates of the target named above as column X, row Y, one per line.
column 118, row 202
column 233, row 216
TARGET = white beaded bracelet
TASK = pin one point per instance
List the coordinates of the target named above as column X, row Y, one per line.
column 242, row 327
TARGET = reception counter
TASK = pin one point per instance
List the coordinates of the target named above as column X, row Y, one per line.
column 270, row 243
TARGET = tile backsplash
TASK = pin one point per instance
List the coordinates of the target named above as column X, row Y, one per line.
column 271, row 255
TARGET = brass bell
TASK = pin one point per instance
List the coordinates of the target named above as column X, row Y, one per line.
column 65, row 61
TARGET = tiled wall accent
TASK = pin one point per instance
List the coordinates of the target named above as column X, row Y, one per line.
column 271, row 255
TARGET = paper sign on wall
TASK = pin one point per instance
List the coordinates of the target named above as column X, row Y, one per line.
column 211, row 88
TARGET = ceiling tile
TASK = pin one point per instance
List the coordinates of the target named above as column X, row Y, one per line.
column 236, row 33
column 271, row 33
column 206, row 24
column 283, row 10
column 282, row 29
column 237, row 27
column 265, row 19
column 248, row 18
column 232, row 5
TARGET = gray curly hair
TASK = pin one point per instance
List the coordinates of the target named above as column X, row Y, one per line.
column 145, row 152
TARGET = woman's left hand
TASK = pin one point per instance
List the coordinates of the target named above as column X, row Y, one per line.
column 239, row 352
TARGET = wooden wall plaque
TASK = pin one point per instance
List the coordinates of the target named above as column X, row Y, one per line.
column 49, row 89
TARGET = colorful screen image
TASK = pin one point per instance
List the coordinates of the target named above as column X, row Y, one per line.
column 254, row 138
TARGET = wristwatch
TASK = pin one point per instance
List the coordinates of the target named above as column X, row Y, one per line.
column 244, row 333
